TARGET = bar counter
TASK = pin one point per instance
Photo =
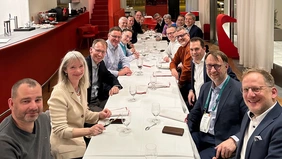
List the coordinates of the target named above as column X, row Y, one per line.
column 37, row 57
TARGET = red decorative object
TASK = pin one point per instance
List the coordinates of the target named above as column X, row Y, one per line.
column 150, row 22
column 224, row 42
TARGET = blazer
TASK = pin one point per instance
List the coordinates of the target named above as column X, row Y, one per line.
column 270, row 131
column 206, row 77
column 195, row 31
column 67, row 113
column 159, row 28
column 230, row 111
column 104, row 77
column 137, row 27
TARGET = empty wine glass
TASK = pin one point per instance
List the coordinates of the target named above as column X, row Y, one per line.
column 159, row 65
column 132, row 91
column 153, row 81
column 151, row 151
column 139, row 65
column 126, row 121
column 156, row 111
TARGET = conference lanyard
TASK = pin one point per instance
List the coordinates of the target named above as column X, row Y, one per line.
column 217, row 100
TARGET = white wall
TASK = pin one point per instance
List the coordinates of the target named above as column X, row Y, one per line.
column 19, row 8
column 84, row 3
column 278, row 6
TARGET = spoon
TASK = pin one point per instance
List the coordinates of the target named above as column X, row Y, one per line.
column 148, row 127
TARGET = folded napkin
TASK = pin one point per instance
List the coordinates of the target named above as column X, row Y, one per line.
column 123, row 111
column 179, row 116
column 160, row 85
column 173, row 130
column 162, row 74
column 141, row 89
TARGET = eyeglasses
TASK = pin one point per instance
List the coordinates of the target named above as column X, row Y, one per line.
column 115, row 36
column 99, row 51
column 216, row 66
column 128, row 37
column 170, row 33
column 255, row 90
column 180, row 36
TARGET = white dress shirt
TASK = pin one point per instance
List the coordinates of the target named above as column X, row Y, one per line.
column 198, row 76
column 171, row 49
column 254, row 122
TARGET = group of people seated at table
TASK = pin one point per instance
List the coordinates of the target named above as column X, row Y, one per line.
column 227, row 118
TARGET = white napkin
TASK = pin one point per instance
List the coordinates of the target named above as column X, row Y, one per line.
column 162, row 73
column 123, row 111
column 179, row 116
column 161, row 85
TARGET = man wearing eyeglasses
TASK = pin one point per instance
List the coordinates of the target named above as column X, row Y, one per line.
column 160, row 23
column 261, row 128
column 125, row 39
column 100, row 77
column 173, row 45
column 215, row 120
column 182, row 56
column 199, row 74
column 115, row 54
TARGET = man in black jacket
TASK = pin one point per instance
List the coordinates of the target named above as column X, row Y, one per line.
column 160, row 23
column 102, row 82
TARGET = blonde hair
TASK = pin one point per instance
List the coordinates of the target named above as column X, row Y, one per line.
column 268, row 78
column 69, row 57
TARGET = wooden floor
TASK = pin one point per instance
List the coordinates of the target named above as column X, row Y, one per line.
column 85, row 52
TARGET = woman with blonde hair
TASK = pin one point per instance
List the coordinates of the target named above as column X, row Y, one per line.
column 69, row 110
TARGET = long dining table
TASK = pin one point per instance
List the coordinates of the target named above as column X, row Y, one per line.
column 113, row 143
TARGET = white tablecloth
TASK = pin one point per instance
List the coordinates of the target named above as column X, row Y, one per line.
column 114, row 144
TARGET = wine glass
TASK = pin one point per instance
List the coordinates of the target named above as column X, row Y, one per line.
column 151, row 151
column 126, row 121
column 132, row 91
column 156, row 111
column 139, row 65
column 155, row 46
column 159, row 65
column 153, row 81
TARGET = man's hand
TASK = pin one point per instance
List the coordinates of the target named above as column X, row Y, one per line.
column 114, row 90
column 106, row 113
column 191, row 97
column 136, row 54
column 166, row 59
column 125, row 72
column 226, row 148
column 174, row 73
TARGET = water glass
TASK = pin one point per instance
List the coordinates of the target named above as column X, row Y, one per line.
column 156, row 109
column 132, row 91
column 151, row 151
column 126, row 121
column 139, row 63
column 153, row 82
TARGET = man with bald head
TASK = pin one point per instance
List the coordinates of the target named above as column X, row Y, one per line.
column 137, row 26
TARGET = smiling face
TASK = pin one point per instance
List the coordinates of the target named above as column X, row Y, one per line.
column 258, row 102
column 130, row 22
column 189, row 20
column 170, row 33
column 180, row 21
column 182, row 37
column 123, row 23
column 114, row 37
column 216, row 69
column 197, row 51
column 167, row 21
column 74, row 70
column 27, row 104
column 98, row 52
column 138, row 16
column 126, row 37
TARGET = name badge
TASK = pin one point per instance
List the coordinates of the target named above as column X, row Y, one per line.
column 205, row 123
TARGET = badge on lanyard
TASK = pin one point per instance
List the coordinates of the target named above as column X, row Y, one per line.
column 205, row 123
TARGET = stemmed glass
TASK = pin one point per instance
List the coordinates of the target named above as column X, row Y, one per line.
column 126, row 121
column 155, row 46
column 139, row 65
column 151, row 151
column 159, row 65
column 153, row 81
column 132, row 91
column 156, row 111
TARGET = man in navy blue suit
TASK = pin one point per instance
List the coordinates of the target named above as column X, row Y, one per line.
column 261, row 129
column 198, row 69
column 215, row 120
column 193, row 29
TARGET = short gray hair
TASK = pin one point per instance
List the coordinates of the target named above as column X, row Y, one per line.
column 29, row 81
column 191, row 15
column 167, row 16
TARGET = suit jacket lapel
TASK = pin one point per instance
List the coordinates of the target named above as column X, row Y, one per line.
column 72, row 93
column 268, row 119
column 244, row 125
column 223, row 99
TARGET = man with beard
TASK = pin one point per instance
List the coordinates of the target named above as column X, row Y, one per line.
column 215, row 120
column 26, row 132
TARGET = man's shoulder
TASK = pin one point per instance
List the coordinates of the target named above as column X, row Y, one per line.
column 6, row 124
